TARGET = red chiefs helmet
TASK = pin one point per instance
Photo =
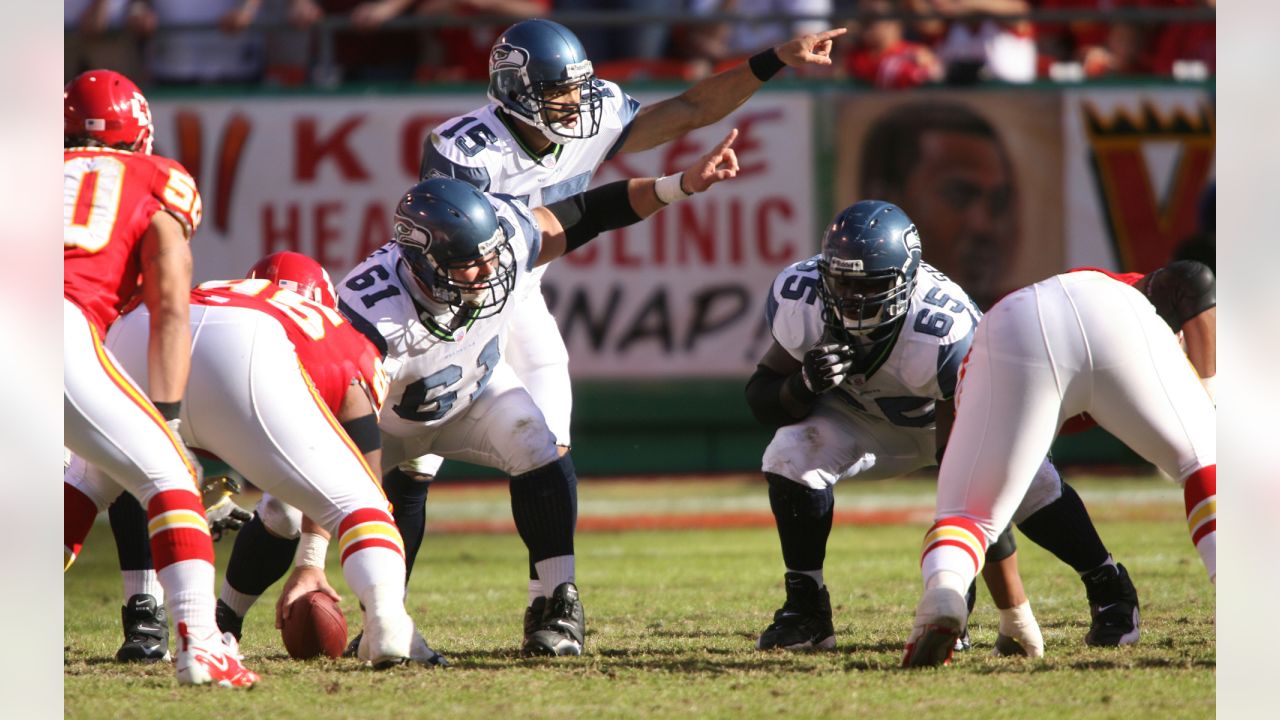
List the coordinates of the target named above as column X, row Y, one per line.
column 299, row 273
column 108, row 107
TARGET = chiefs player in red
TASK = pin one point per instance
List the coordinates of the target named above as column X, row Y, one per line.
column 127, row 217
column 287, row 392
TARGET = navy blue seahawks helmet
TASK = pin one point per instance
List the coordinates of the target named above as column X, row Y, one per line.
column 539, row 59
column 447, row 227
column 870, row 256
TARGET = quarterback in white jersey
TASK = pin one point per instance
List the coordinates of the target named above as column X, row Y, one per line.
column 549, row 126
column 868, row 342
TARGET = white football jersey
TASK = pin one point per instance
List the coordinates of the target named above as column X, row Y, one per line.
column 479, row 148
column 435, row 373
column 920, row 365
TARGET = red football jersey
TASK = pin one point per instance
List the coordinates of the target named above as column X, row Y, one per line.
column 1083, row 422
column 333, row 353
column 108, row 198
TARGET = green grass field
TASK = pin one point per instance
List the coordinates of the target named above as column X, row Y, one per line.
column 672, row 617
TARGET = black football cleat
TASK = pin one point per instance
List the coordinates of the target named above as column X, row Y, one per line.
column 353, row 647
column 1113, row 606
column 146, row 630
column 228, row 621
column 804, row 620
column 533, row 617
column 562, row 629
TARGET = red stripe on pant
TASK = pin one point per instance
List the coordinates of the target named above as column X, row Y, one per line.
column 1201, row 484
column 953, row 543
column 363, row 515
column 78, row 513
column 370, row 542
column 180, row 543
column 1205, row 529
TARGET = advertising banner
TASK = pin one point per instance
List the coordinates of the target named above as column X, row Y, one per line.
column 680, row 295
column 980, row 173
column 1137, row 164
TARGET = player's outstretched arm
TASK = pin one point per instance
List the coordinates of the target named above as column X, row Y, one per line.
column 166, row 289
column 573, row 222
column 715, row 97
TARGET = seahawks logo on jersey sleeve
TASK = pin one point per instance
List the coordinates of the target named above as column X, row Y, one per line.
column 793, row 310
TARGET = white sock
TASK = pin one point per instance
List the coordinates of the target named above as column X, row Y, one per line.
column 553, row 572
column 1208, row 549
column 535, row 590
column 142, row 582
column 948, row 579
column 188, row 589
column 815, row 574
column 376, row 575
column 236, row 600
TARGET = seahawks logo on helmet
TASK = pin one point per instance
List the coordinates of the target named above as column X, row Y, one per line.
column 407, row 234
column 508, row 57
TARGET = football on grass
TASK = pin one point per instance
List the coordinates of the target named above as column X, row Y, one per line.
column 316, row 626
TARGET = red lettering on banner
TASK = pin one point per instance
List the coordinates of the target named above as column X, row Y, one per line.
column 680, row 154
column 413, row 141
column 375, row 231
column 748, row 143
column 310, row 150
column 620, row 258
column 735, row 231
column 773, row 206
column 281, row 237
column 324, row 232
column 702, row 236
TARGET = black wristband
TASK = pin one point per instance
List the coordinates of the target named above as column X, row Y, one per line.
column 364, row 432
column 799, row 390
column 169, row 410
column 765, row 64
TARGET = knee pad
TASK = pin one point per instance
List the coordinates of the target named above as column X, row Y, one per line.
column 799, row 500
column 280, row 519
column 1003, row 547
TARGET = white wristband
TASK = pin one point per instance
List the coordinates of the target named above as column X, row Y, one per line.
column 669, row 189
column 311, row 551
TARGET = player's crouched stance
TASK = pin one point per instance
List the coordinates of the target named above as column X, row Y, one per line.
column 1075, row 343
column 267, row 364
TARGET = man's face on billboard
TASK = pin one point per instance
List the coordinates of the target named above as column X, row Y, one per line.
column 960, row 197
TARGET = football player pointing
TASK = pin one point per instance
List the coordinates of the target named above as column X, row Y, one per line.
column 550, row 124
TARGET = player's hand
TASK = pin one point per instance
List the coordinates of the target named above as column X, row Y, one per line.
column 719, row 164
column 225, row 516
column 302, row 581
column 826, row 366
column 812, row 49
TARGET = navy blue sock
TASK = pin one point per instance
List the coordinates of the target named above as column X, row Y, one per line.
column 544, row 504
column 258, row 558
column 129, row 526
column 1064, row 528
column 408, row 498
column 803, row 516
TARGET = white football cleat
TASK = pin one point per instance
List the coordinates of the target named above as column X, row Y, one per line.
column 386, row 641
column 210, row 660
column 940, row 618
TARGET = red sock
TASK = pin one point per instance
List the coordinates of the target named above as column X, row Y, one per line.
column 177, row 528
column 78, row 513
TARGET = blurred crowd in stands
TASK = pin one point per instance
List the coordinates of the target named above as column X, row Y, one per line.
column 283, row 42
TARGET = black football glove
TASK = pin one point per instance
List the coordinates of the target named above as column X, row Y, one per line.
column 225, row 517
column 826, row 366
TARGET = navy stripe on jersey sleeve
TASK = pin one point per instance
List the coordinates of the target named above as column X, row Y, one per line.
column 950, row 357
column 436, row 165
column 530, row 231
column 365, row 327
column 630, row 106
